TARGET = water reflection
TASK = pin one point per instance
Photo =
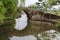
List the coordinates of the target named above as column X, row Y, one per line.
column 30, row 37
column 31, row 32
column 46, row 35
column 49, row 35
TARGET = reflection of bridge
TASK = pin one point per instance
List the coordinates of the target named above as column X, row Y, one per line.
column 37, row 15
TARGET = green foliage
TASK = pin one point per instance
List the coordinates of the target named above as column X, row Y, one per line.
column 2, row 12
column 49, row 4
column 52, row 2
column 21, row 8
column 56, row 12
column 58, row 25
column 34, row 6
column 11, row 8
column 8, row 10
column 2, row 17
column 22, row 3
column 2, row 8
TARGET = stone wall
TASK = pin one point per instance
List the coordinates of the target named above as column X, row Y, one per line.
column 37, row 15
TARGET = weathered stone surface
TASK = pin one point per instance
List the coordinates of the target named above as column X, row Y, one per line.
column 38, row 15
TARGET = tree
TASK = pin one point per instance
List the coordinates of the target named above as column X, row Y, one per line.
column 2, row 12
column 11, row 7
column 47, row 4
column 8, row 10
column 22, row 4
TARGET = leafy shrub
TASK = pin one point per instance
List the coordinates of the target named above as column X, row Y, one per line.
column 8, row 10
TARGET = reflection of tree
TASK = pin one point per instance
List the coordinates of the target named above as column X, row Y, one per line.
column 48, row 35
column 4, row 37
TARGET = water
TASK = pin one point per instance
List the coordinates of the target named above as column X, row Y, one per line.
column 30, row 37
column 47, row 35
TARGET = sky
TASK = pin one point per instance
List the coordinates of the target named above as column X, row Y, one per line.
column 30, row 2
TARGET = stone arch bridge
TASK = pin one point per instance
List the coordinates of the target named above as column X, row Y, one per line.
column 38, row 15
column 35, row 15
